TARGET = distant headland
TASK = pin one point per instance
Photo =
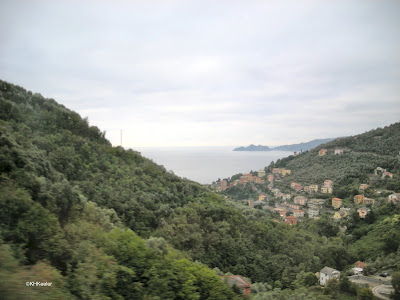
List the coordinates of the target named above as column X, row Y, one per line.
column 294, row 147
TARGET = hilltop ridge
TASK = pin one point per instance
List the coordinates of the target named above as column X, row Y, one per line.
column 293, row 147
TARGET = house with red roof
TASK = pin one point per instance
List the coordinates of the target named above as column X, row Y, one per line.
column 360, row 264
column 240, row 282
column 291, row 220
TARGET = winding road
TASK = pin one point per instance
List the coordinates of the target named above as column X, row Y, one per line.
column 380, row 291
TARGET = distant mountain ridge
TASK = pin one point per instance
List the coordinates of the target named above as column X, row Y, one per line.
column 294, row 147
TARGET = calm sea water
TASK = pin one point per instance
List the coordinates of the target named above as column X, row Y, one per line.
column 207, row 164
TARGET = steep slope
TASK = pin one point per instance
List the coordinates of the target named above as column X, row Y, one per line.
column 379, row 234
column 362, row 155
column 66, row 197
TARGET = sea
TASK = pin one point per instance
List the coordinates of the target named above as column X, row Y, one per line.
column 207, row 164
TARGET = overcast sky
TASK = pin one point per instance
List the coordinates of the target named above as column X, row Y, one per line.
column 197, row 73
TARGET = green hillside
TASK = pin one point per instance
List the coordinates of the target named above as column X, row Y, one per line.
column 102, row 222
column 362, row 155
column 379, row 234
column 68, row 205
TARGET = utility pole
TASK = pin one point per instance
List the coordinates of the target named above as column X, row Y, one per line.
column 121, row 137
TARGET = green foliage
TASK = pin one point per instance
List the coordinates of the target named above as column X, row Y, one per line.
column 332, row 287
column 65, row 197
column 365, row 294
column 396, row 284
column 106, row 221
column 306, row 279
column 383, row 236
column 241, row 193
column 346, row 286
column 362, row 155
column 13, row 278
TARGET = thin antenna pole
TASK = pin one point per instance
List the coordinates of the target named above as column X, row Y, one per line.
column 121, row 137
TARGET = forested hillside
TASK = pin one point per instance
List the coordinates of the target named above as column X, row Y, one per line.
column 101, row 222
column 68, row 205
column 362, row 155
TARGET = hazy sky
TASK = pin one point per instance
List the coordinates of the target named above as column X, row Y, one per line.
column 179, row 73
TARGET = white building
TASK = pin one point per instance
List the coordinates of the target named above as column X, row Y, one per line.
column 338, row 151
column 313, row 212
column 328, row 273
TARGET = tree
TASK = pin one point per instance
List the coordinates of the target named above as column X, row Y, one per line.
column 346, row 286
column 370, row 217
column 332, row 287
column 365, row 294
column 396, row 285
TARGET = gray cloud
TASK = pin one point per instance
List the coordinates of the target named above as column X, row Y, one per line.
column 210, row 73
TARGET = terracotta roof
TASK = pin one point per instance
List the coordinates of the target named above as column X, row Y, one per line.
column 360, row 264
column 238, row 280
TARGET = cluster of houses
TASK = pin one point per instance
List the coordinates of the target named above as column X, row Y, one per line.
column 278, row 194
column 344, row 211
column 337, row 151
column 281, row 171
column 243, row 180
column 326, row 188
column 297, row 209
column 291, row 212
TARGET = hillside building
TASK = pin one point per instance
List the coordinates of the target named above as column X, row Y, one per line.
column 358, row 199
column 328, row 273
column 338, row 151
column 313, row 188
column 313, row 212
column 368, row 201
column 328, row 183
column 322, row 152
column 298, row 213
column 291, row 220
column 261, row 173
column 326, row 190
column 240, row 282
column 387, row 174
column 300, row 200
column 337, row 202
column 394, row 198
column 363, row 211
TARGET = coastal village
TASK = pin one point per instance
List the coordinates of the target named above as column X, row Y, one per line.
column 297, row 201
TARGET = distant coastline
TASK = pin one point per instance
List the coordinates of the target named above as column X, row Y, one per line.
column 294, row 147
